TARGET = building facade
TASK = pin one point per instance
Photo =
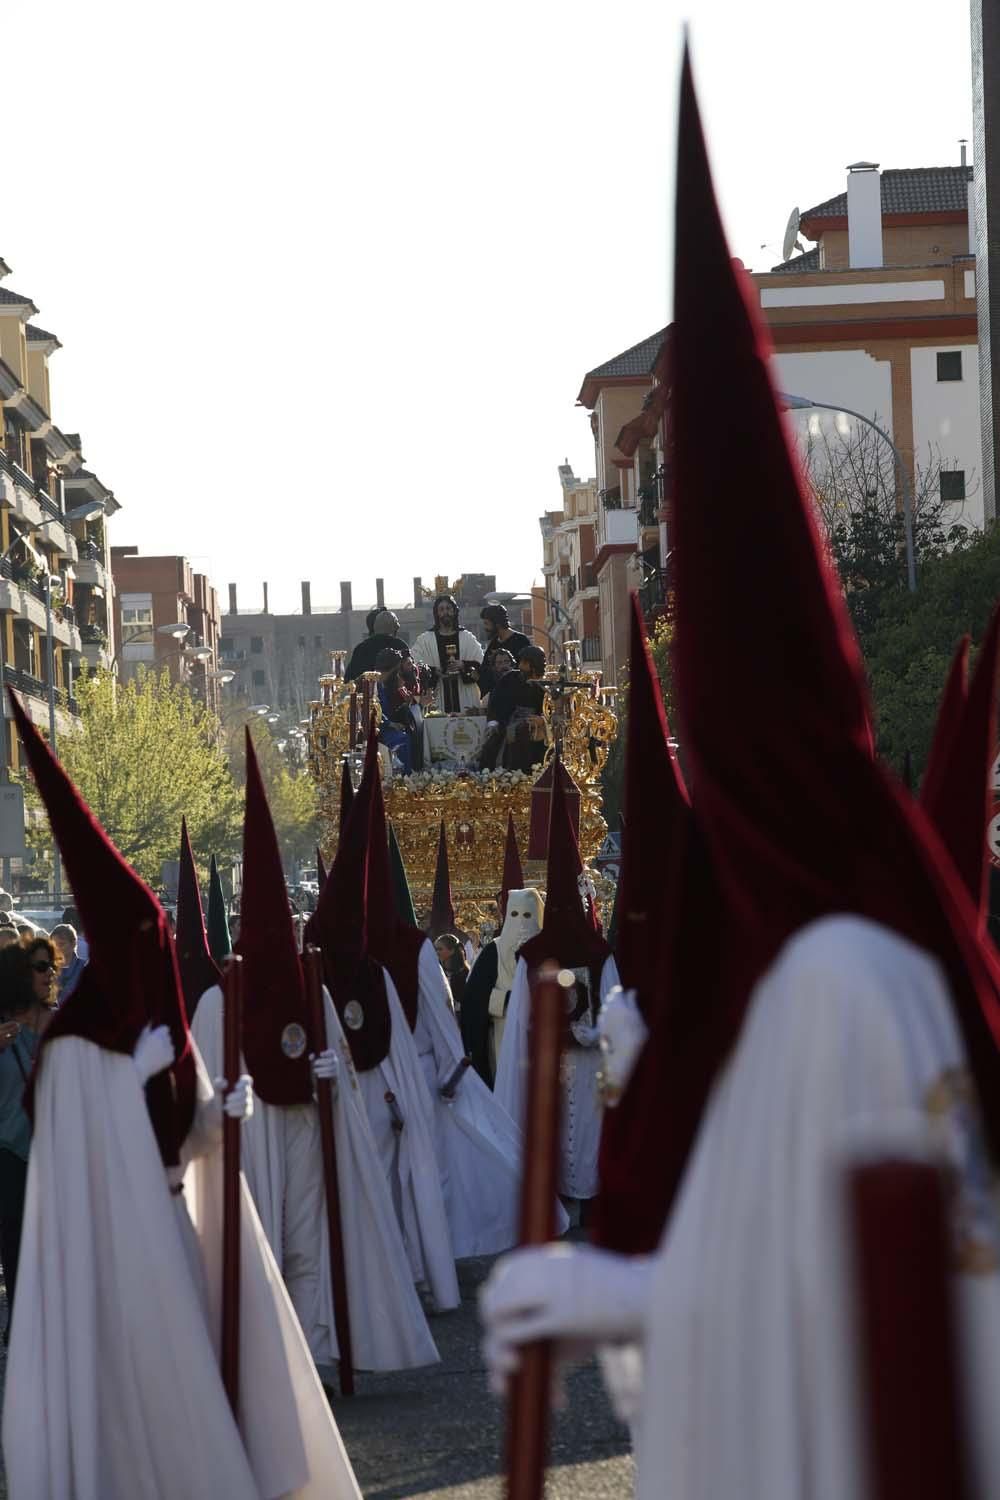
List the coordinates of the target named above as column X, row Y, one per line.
column 54, row 576
column 167, row 616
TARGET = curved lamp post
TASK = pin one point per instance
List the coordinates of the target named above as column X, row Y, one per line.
column 806, row 403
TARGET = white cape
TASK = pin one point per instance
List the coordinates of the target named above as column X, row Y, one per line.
column 409, row 1159
column 751, row 1384
column 582, row 1113
column 113, row 1388
column 478, row 1144
column 425, row 652
column 283, row 1165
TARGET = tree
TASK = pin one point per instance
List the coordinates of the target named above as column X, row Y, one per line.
column 148, row 753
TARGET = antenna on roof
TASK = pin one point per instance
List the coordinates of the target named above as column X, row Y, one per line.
column 791, row 241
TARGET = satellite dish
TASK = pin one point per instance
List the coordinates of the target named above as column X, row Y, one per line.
column 791, row 242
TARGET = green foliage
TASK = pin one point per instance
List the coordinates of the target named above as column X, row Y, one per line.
column 291, row 792
column 147, row 754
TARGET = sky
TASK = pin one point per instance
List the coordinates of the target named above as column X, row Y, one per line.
column 328, row 278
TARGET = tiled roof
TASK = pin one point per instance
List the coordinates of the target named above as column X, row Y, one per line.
column 909, row 190
column 636, row 363
column 12, row 297
column 74, row 440
column 38, row 335
column 639, row 360
column 807, row 262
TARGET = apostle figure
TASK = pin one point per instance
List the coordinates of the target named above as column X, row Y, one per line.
column 113, row 1385
column 857, row 1005
column 387, row 1067
column 399, row 693
column 282, row 1156
column 488, row 988
column 454, row 655
column 569, row 939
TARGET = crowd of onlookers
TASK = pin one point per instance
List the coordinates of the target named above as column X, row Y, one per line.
column 38, row 970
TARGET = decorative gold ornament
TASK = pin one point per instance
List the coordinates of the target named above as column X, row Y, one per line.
column 474, row 806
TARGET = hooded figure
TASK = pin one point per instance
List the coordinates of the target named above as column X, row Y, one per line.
column 568, row 939
column 478, row 1145
column 118, row 1310
column 282, row 1156
column 857, row 1010
column 442, row 917
column 387, row 1066
column 198, row 969
column 453, row 655
column 400, row 885
column 487, row 991
column 219, row 941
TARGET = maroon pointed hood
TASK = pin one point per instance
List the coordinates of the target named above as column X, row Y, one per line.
column 567, row 936
column 346, row 795
column 131, row 979
column 275, row 1012
column 956, row 791
column 395, row 943
column 513, row 875
column 801, row 821
column 657, row 812
column 198, row 969
column 442, row 918
column 339, row 927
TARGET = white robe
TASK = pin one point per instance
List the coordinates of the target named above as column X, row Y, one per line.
column 581, row 1113
column 409, row 1159
column 478, row 1144
column 113, row 1388
column 751, row 1377
column 283, row 1165
column 425, row 651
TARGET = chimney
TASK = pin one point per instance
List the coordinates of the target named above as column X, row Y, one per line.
column 380, row 592
column 962, row 146
column 265, row 598
column 345, row 598
column 864, row 215
column 232, row 599
column 307, row 608
column 418, row 592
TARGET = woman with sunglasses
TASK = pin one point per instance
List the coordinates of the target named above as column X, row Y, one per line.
column 27, row 1000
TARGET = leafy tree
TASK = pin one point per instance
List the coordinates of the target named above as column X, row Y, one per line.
column 291, row 792
column 148, row 753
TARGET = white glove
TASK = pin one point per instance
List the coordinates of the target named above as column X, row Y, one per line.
column 154, row 1051
column 623, row 1034
column 574, row 1294
column 325, row 1065
column 238, row 1102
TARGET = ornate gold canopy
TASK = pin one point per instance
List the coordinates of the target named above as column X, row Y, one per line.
column 580, row 719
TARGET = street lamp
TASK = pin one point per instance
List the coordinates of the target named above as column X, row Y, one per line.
column 806, row 403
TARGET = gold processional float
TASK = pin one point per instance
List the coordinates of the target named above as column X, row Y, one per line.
column 580, row 724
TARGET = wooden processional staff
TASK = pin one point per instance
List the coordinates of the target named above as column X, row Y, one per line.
column 232, row 1033
column 528, row 1407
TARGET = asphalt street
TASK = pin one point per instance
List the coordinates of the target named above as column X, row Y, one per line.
column 439, row 1432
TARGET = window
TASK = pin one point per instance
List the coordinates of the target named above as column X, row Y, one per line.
column 318, row 642
column 226, row 647
column 302, row 643
column 949, row 365
column 256, row 644
column 260, row 679
column 137, row 618
column 952, row 484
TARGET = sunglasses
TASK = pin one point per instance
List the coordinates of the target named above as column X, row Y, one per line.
column 43, row 967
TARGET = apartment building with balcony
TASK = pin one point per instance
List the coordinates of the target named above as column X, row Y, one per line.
column 569, row 541
column 167, row 616
column 880, row 315
column 53, row 546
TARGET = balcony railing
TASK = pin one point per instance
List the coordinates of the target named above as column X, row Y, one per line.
column 48, row 505
column 592, row 648
column 655, row 597
column 586, row 578
column 612, row 499
column 89, row 551
column 651, row 496
column 24, row 682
